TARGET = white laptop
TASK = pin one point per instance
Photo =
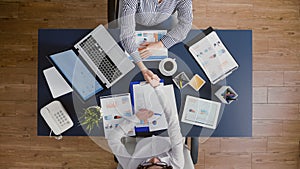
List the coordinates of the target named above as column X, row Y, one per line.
column 104, row 56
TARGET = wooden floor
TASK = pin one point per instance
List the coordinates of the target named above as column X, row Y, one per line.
column 276, row 84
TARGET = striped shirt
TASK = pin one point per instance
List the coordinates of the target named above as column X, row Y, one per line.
column 150, row 13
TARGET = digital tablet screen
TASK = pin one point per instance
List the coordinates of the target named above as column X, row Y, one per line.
column 76, row 73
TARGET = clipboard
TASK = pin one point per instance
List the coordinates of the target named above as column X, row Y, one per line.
column 138, row 83
column 212, row 56
column 158, row 121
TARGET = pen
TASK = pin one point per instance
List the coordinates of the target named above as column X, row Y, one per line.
column 117, row 117
column 157, row 114
column 180, row 83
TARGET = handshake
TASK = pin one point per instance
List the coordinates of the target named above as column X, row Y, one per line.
column 151, row 78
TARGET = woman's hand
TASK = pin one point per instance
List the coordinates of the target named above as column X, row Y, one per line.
column 144, row 115
column 145, row 47
column 152, row 45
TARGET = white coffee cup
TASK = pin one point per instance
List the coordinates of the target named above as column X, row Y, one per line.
column 167, row 66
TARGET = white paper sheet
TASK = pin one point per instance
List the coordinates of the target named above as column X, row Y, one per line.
column 116, row 108
column 213, row 57
column 201, row 112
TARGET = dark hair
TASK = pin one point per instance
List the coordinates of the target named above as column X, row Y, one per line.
column 143, row 167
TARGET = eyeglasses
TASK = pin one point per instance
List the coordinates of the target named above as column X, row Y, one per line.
column 146, row 165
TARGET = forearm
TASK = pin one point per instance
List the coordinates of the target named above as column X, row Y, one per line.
column 141, row 66
column 171, row 117
column 180, row 31
column 114, row 138
column 176, row 139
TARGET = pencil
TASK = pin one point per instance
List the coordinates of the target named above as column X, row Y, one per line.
column 180, row 83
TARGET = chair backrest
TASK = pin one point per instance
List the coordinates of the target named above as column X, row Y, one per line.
column 113, row 13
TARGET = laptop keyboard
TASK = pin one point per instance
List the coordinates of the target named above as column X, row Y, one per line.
column 100, row 59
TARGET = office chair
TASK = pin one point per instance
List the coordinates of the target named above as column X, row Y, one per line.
column 190, row 156
column 112, row 13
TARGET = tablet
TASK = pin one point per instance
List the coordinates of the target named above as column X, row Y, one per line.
column 76, row 73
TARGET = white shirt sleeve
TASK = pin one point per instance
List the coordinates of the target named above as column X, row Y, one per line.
column 184, row 25
column 127, row 34
column 115, row 143
column 177, row 158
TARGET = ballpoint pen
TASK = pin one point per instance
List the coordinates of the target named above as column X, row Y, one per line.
column 157, row 114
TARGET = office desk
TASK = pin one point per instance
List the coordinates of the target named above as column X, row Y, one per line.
column 235, row 119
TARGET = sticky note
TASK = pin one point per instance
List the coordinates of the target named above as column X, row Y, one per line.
column 196, row 82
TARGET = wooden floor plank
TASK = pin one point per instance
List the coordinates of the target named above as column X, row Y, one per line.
column 291, row 128
column 17, row 125
column 292, row 78
column 8, row 92
column 8, row 10
column 209, row 144
column 93, row 144
column 267, row 128
column 284, row 95
column 255, row 144
column 275, row 160
column 283, row 144
column 260, row 95
column 260, row 44
column 31, row 159
column 66, row 144
column 28, row 26
column 15, row 141
column 7, row 108
column 267, row 78
column 88, row 160
column 276, row 111
column 227, row 160
column 13, row 58
column 21, row 76
column 230, row 11
column 26, row 108
column 276, row 61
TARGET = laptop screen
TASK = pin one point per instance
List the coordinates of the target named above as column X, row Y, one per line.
column 77, row 74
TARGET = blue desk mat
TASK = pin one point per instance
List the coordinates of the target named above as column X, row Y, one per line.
column 236, row 120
